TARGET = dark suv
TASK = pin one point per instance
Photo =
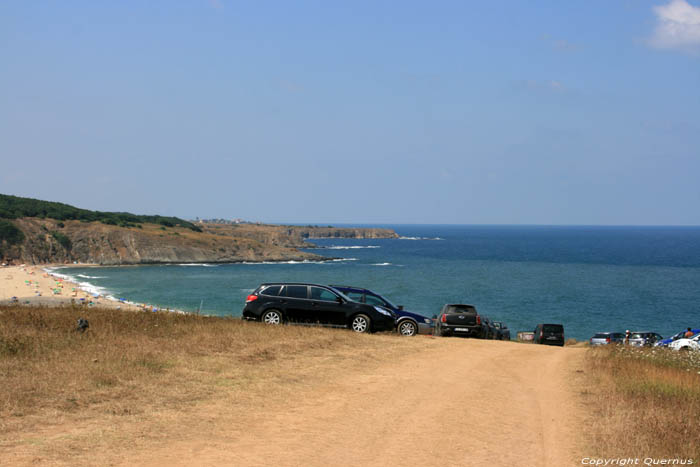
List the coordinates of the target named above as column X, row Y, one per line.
column 279, row 302
column 550, row 334
column 407, row 323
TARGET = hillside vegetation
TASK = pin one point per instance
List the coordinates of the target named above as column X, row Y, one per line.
column 14, row 207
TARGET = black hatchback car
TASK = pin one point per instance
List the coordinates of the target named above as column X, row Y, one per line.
column 462, row 320
column 276, row 303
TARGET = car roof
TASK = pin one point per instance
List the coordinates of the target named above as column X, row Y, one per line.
column 351, row 287
column 295, row 283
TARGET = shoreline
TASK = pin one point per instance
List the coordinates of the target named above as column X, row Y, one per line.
column 42, row 285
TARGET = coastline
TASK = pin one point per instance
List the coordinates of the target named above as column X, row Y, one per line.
column 43, row 285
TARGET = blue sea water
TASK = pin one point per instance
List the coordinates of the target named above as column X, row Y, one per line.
column 588, row 278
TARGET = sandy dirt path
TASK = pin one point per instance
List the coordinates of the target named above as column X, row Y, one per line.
column 456, row 403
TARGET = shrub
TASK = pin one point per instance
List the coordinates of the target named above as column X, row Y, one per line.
column 9, row 233
column 63, row 240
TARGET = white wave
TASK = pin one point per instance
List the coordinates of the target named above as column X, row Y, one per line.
column 352, row 247
column 336, row 260
column 92, row 289
column 381, row 264
column 420, row 238
column 199, row 264
column 84, row 276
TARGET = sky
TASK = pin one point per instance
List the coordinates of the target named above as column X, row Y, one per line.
column 450, row 112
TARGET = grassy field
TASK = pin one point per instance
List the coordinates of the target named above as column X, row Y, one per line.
column 139, row 365
column 643, row 402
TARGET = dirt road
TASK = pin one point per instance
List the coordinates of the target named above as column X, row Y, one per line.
column 456, row 402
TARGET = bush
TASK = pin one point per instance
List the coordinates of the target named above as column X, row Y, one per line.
column 9, row 233
column 63, row 240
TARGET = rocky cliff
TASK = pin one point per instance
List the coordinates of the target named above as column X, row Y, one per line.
column 52, row 241
column 293, row 236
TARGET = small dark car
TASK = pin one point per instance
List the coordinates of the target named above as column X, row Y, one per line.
column 407, row 323
column 549, row 334
column 276, row 303
column 462, row 320
column 502, row 331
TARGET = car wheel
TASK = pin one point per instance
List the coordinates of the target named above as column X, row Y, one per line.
column 360, row 323
column 272, row 317
column 408, row 328
column 685, row 348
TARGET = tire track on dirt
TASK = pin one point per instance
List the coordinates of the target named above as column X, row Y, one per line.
column 458, row 403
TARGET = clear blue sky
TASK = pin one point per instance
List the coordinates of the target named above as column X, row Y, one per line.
column 554, row 112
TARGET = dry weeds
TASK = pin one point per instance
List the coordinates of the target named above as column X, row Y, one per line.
column 643, row 403
column 138, row 363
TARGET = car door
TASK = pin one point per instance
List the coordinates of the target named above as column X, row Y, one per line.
column 297, row 303
column 328, row 307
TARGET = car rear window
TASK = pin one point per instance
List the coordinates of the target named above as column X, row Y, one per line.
column 460, row 309
column 296, row 291
column 601, row 335
column 553, row 328
column 273, row 290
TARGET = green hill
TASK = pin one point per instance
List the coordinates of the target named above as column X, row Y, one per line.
column 14, row 207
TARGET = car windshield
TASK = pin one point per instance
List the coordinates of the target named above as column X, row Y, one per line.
column 345, row 297
column 639, row 335
column 387, row 301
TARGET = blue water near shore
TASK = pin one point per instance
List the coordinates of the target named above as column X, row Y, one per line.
column 588, row 278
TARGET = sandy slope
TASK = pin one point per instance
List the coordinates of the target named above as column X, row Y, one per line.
column 457, row 402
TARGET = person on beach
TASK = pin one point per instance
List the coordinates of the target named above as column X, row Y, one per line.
column 627, row 337
column 688, row 334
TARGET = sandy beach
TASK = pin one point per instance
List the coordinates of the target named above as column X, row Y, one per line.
column 33, row 285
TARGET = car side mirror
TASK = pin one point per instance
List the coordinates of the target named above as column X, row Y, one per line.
column 339, row 299
column 401, row 307
column 434, row 316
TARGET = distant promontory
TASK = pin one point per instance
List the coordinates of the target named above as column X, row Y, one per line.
column 40, row 232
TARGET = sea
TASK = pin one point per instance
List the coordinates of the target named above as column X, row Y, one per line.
column 590, row 279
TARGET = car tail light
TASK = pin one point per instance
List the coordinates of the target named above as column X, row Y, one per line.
column 541, row 334
column 607, row 339
column 478, row 319
column 443, row 318
column 251, row 298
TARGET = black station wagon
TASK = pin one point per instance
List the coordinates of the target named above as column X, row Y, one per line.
column 277, row 303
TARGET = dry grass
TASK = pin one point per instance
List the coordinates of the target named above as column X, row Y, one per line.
column 139, row 363
column 643, row 402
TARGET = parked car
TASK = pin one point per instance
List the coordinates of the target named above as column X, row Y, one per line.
column 639, row 339
column 407, row 323
column 502, row 331
column 549, row 334
column 461, row 320
column 675, row 337
column 605, row 338
column 276, row 303
column 692, row 343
